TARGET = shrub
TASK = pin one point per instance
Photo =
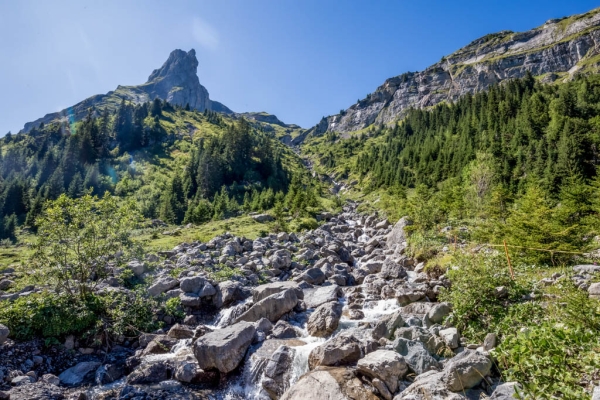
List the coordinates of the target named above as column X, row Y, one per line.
column 477, row 309
column 50, row 315
column 77, row 237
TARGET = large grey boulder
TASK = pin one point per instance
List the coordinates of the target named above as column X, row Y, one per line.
column 227, row 293
column 416, row 355
column 395, row 269
column 466, row 370
column 314, row 276
column 272, row 307
column 262, row 218
column 314, row 297
column 594, row 290
column 79, row 373
column 386, row 365
column 40, row 390
column 450, row 336
column 341, row 350
column 439, row 312
column 386, row 326
column 330, row 383
column 429, row 386
column 325, row 319
column 278, row 372
column 281, row 259
column 4, row 332
column 192, row 284
column 150, row 372
column 266, row 290
column 398, row 236
column 508, row 391
column 224, row 349
column 162, row 285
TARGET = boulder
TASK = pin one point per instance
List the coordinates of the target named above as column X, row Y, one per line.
column 161, row 344
column 508, row 391
column 281, row 259
column 224, row 349
column 429, row 385
column 325, row 319
column 78, row 374
column 190, row 300
column 272, row 307
column 192, row 284
column 398, row 236
column 4, row 333
column 227, row 293
column 35, row 391
column 394, row 270
column 138, row 268
column 278, row 372
column 490, row 341
column 331, row 383
column 466, row 370
column 386, row 365
column 314, row 297
column 283, row 330
column 262, row 218
column 162, row 285
column 150, row 372
column 386, row 327
column 450, row 336
column 341, row 350
column 439, row 312
column 314, row 276
column 432, row 343
column 266, row 290
column 416, row 355
column 594, row 290
column 179, row 331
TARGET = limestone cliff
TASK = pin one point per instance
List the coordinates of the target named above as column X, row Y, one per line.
column 554, row 51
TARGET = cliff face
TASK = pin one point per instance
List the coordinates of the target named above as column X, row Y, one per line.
column 176, row 81
column 556, row 50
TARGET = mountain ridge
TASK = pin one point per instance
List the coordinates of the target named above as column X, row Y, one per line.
column 558, row 49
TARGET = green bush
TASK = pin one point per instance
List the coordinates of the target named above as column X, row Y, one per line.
column 477, row 310
column 50, row 315
column 302, row 224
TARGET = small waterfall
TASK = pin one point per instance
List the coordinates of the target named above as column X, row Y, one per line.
column 225, row 317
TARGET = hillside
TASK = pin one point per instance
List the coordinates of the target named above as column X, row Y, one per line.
column 552, row 52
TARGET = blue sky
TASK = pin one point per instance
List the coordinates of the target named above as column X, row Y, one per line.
column 300, row 60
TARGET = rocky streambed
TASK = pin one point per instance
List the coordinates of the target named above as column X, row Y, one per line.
column 344, row 314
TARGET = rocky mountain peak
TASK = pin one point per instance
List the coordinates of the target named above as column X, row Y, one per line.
column 179, row 65
column 176, row 81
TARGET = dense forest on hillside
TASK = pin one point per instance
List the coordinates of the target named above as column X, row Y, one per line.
column 173, row 161
column 519, row 161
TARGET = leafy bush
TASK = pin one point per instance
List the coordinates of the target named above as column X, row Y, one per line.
column 477, row 308
column 76, row 237
column 302, row 224
column 173, row 308
column 50, row 315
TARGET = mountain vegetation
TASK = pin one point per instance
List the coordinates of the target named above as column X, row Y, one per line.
column 221, row 167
